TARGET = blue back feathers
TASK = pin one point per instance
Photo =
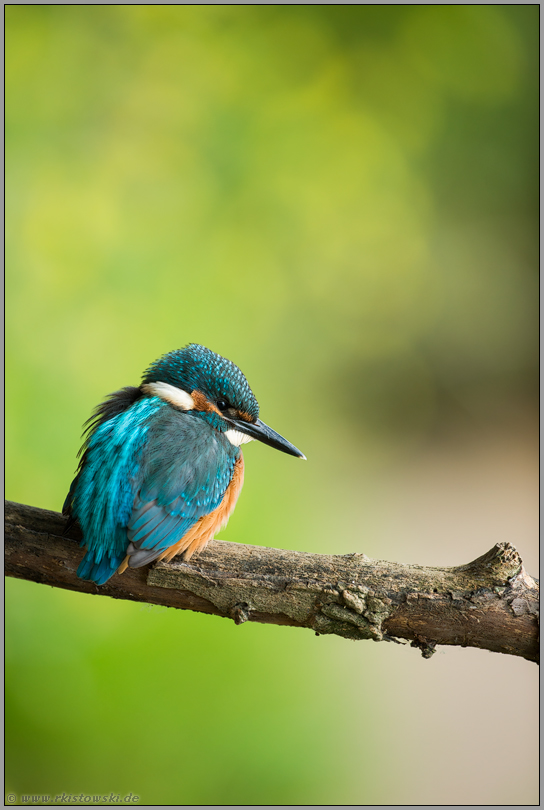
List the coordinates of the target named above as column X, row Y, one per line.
column 103, row 495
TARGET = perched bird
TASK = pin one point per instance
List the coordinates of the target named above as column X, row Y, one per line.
column 161, row 466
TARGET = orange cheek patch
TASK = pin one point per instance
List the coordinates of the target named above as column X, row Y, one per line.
column 202, row 403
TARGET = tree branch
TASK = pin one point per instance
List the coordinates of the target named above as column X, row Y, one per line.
column 491, row 603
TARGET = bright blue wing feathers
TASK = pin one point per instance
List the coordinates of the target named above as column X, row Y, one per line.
column 188, row 467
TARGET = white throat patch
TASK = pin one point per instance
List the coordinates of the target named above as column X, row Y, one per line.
column 236, row 437
column 175, row 396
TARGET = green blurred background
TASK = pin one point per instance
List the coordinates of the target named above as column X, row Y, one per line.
column 343, row 201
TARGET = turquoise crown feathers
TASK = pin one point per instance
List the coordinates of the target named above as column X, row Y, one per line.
column 197, row 368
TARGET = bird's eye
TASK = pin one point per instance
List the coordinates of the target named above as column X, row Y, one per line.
column 222, row 404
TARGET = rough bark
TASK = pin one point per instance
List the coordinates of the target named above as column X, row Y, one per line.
column 490, row 603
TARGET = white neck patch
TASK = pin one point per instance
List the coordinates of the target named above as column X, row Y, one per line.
column 236, row 437
column 169, row 393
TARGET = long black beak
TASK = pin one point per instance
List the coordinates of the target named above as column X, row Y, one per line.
column 258, row 430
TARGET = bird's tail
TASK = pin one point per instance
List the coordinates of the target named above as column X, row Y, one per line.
column 98, row 572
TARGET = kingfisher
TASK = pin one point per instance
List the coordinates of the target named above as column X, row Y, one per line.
column 161, row 466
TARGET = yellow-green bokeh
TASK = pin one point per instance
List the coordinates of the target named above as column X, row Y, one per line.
column 342, row 200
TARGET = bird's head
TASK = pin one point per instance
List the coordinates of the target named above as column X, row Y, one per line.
column 197, row 379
